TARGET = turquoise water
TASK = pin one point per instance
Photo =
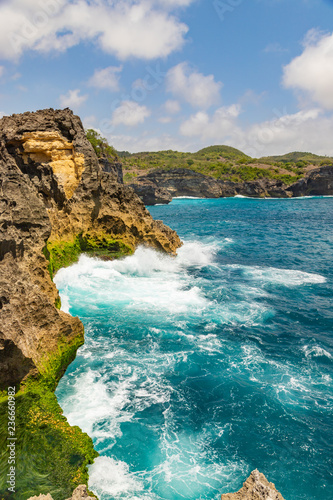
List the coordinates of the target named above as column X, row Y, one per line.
column 200, row 368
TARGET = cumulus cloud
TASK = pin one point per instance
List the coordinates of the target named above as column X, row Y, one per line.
column 222, row 124
column 135, row 28
column 306, row 130
column 147, row 142
column 130, row 113
column 72, row 99
column 172, row 107
column 197, row 89
column 107, row 78
column 312, row 71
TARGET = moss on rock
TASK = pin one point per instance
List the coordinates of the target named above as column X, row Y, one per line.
column 64, row 253
column 51, row 456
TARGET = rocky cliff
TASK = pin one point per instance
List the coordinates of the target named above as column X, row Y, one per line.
column 56, row 201
column 256, row 487
column 160, row 186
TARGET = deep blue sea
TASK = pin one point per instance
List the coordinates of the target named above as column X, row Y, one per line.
column 200, row 368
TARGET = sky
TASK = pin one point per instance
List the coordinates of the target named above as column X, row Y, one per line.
column 152, row 75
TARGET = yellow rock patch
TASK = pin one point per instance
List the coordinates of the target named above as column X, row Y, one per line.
column 52, row 148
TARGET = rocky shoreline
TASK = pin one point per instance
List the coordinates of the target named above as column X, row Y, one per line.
column 161, row 186
column 57, row 201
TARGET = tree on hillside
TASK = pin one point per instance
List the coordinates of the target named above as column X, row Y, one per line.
column 100, row 144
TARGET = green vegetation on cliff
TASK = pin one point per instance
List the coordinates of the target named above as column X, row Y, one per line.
column 297, row 156
column 51, row 456
column 100, row 145
column 224, row 163
column 64, row 253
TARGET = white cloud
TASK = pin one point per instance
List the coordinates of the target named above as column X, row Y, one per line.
column 221, row 124
column 174, row 3
column 130, row 113
column 172, row 107
column 136, row 28
column 89, row 121
column 147, row 142
column 307, row 130
column 107, row 78
column 303, row 131
column 199, row 90
column 165, row 119
column 2, row 70
column 312, row 71
column 72, row 99
column 275, row 48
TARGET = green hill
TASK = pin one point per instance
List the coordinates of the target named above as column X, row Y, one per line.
column 298, row 156
column 226, row 152
column 221, row 162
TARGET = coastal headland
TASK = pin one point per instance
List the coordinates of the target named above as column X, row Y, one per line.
column 58, row 199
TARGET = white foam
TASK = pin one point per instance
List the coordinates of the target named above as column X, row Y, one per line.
column 110, row 477
column 105, row 404
column 188, row 198
column 147, row 280
column 65, row 304
column 316, row 351
column 193, row 253
column 287, row 277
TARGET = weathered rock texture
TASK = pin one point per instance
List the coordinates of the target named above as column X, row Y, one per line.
column 318, row 182
column 80, row 493
column 160, row 186
column 176, row 182
column 114, row 168
column 52, row 192
column 151, row 194
column 256, row 487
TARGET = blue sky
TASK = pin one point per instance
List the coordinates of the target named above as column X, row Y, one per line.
column 176, row 74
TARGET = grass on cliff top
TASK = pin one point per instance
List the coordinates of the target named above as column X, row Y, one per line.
column 51, row 456
column 224, row 163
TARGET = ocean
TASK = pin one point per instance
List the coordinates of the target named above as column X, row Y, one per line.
column 199, row 368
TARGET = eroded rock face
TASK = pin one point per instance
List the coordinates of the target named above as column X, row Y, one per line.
column 52, row 189
column 52, row 148
column 256, row 487
column 114, row 168
column 318, row 182
column 151, row 194
column 80, row 493
column 185, row 182
column 160, row 186
column 179, row 182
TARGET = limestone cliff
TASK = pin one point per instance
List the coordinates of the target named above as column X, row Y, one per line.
column 160, row 186
column 55, row 202
column 256, row 487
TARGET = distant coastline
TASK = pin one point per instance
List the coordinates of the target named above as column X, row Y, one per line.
column 223, row 171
